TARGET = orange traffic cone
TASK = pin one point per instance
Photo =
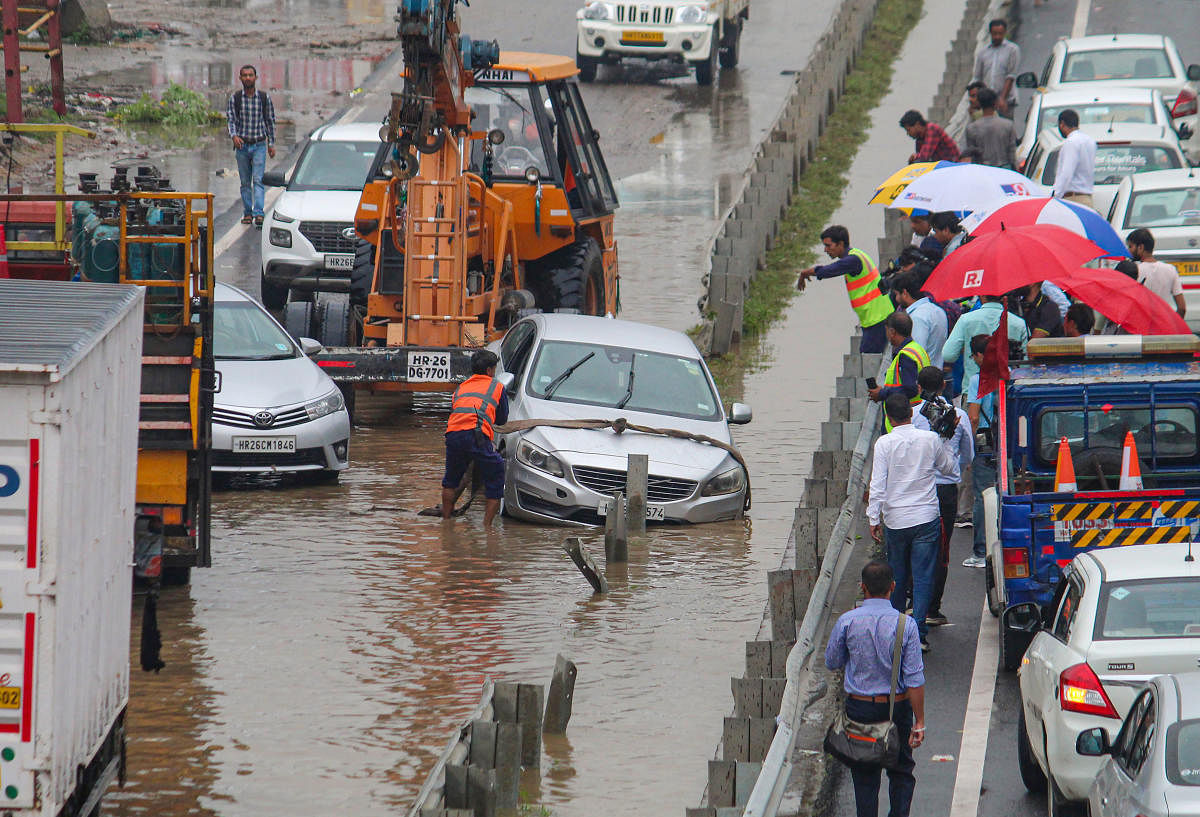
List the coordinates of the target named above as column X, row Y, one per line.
column 1064, row 474
column 1131, row 470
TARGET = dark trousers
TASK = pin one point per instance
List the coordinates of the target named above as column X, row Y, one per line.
column 901, row 780
column 948, row 506
column 874, row 339
column 912, row 553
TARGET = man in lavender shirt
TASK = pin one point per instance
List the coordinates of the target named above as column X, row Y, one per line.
column 862, row 642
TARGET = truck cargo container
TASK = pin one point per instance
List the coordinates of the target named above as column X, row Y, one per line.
column 70, row 378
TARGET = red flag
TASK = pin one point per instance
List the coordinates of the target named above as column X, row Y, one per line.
column 994, row 369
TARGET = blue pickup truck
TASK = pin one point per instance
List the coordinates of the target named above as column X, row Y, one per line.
column 1091, row 391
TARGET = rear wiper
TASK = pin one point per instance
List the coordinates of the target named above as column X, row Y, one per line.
column 629, row 389
column 558, row 381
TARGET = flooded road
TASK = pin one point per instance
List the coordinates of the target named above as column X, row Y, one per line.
column 323, row 661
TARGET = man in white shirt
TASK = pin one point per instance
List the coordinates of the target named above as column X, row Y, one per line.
column 1157, row 276
column 903, row 506
column 930, row 324
column 1076, row 175
column 960, row 444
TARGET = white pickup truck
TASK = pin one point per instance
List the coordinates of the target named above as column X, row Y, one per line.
column 698, row 34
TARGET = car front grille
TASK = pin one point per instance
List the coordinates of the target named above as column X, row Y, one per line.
column 658, row 489
column 326, row 236
column 635, row 13
column 256, row 459
column 239, row 419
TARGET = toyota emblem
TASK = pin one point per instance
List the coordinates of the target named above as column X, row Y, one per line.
column 264, row 419
column 348, row 233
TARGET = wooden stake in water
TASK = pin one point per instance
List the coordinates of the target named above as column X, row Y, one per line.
column 636, row 480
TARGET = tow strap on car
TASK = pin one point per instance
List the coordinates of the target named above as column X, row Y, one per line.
column 621, row 425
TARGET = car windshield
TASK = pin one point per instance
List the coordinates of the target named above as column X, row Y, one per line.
column 510, row 110
column 1116, row 63
column 1176, row 207
column 1115, row 162
column 662, row 384
column 1149, row 608
column 334, row 166
column 1167, row 433
column 1105, row 113
column 1183, row 753
column 242, row 331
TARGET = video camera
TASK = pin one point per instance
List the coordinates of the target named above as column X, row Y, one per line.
column 922, row 266
column 942, row 417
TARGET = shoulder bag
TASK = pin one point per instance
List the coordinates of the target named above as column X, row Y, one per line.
column 869, row 744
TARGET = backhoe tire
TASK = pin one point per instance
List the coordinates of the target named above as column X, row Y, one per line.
column 301, row 319
column 363, row 272
column 706, row 71
column 571, row 279
column 587, row 67
column 336, row 327
column 274, row 296
column 731, row 47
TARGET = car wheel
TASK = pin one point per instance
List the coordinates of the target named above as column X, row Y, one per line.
column 993, row 593
column 1031, row 773
column 587, row 67
column 731, row 49
column 274, row 296
column 301, row 319
column 706, row 71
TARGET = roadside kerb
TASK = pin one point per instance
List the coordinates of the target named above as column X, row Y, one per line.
column 750, row 225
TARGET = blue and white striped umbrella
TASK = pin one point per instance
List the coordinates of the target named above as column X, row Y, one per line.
column 1077, row 218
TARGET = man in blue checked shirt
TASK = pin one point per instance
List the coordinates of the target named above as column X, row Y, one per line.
column 862, row 642
column 252, row 127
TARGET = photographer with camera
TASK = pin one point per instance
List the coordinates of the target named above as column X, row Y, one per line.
column 981, row 411
column 953, row 427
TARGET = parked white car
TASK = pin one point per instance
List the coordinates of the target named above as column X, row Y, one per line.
column 1098, row 104
column 1122, row 61
column 308, row 233
column 276, row 410
column 1121, row 150
column 1167, row 203
column 1121, row 617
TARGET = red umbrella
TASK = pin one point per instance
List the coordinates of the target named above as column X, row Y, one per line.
column 1138, row 310
column 1009, row 259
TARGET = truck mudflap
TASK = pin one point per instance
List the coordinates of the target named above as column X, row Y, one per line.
column 420, row 366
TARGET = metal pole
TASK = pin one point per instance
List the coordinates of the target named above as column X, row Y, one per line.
column 12, row 61
column 636, row 481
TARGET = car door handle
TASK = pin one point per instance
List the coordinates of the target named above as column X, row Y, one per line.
column 1103, row 800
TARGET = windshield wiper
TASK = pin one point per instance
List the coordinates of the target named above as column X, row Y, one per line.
column 558, row 381
column 629, row 389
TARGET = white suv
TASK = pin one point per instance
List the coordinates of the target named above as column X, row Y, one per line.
column 308, row 234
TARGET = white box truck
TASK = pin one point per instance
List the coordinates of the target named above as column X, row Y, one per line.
column 686, row 31
column 70, row 379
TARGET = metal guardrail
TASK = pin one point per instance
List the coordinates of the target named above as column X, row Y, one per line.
column 798, row 694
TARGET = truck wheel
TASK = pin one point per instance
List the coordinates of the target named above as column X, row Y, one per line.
column 1099, row 468
column 301, row 319
column 363, row 272
column 587, row 67
column 1031, row 773
column 993, row 595
column 707, row 70
column 274, row 296
column 336, row 327
column 176, row 576
column 731, row 49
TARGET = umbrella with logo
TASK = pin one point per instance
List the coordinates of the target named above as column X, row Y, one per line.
column 1008, row 259
column 894, row 184
column 1078, row 219
column 1136, row 309
column 966, row 187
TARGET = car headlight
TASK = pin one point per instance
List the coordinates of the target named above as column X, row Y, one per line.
column 326, row 405
column 281, row 218
column 535, row 457
column 598, row 11
column 281, row 237
column 693, row 14
column 729, row 482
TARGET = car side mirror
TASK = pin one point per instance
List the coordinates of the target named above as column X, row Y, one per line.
column 740, row 414
column 274, row 178
column 1025, row 617
column 1193, row 72
column 310, row 347
column 1093, row 743
column 1027, row 80
column 507, row 379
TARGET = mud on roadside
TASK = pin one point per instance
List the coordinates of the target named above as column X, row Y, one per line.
column 311, row 56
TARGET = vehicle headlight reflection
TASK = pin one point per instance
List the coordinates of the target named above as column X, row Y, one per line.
column 326, row 405
column 693, row 14
column 535, row 457
column 728, row 482
column 598, row 11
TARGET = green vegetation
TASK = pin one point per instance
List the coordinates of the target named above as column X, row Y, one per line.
column 526, row 808
column 179, row 107
column 82, row 35
column 821, row 185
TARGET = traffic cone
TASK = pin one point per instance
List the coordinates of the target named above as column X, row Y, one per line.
column 1064, row 474
column 1131, row 470
column 3, row 253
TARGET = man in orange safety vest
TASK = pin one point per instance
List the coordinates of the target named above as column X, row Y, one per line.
column 478, row 406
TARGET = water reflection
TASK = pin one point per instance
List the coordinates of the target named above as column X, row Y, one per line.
column 304, row 12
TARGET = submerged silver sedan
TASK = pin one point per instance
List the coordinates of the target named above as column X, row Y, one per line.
column 577, row 367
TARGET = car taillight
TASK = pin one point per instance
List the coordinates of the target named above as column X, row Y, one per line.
column 1016, row 563
column 1185, row 104
column 1079, row 690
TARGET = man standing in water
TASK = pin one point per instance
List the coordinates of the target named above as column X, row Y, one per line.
column 479, row 404
column 252, row 128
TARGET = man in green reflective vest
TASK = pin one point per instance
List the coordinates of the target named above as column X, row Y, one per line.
column 862, row 285
column 908, row 359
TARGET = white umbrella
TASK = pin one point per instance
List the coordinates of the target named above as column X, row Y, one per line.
column 965, row 187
